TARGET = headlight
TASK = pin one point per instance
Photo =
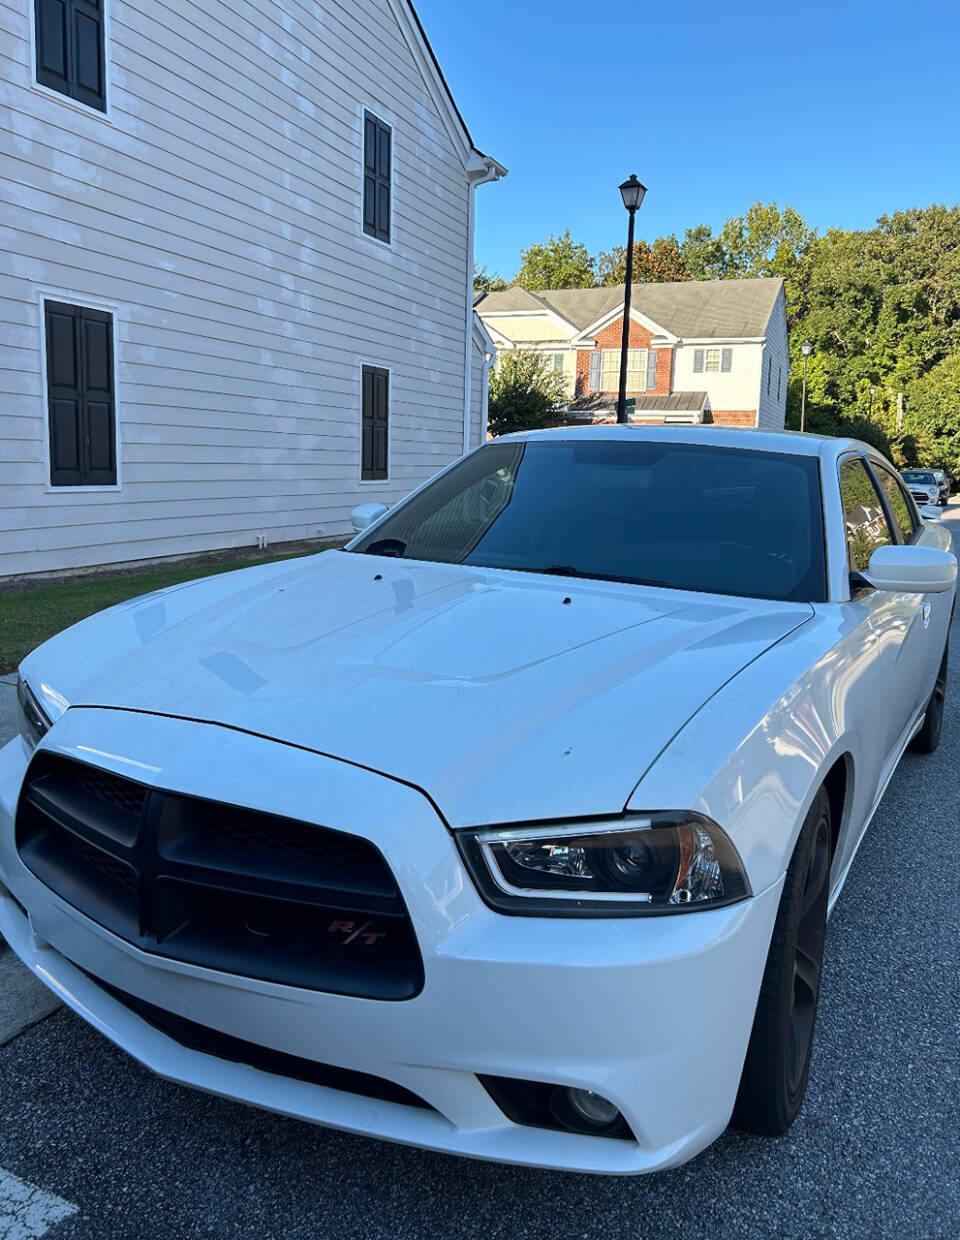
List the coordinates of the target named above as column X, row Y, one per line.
column 640, row 864
column 33, row 720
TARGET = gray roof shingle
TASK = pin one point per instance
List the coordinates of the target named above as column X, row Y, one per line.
column 692, row 308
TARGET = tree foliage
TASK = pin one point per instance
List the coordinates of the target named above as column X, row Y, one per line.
column 652, row 264
column 524, row 394
column 560, row 262
column 485, row 281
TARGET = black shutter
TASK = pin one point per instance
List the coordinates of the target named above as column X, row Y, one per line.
column 52, row 45
column 70, row 51
column 88, row 53
column 100, row 444
column 377, row 172
column 83, row 441
column 63, row 394
column 375, row 422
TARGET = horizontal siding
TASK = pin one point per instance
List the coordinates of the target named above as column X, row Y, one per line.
column 737, row 389
column 772, row 408
column 218, row 211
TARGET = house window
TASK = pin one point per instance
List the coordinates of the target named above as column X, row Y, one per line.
column 555, row 363
column 769, row 373
column 712, row 361
column 377, row 173
column 80, row 396
column 779, row 377
column 375, row 424
column 70, row 55
column 636, row 370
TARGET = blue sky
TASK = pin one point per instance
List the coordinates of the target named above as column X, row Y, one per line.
column 846, row 110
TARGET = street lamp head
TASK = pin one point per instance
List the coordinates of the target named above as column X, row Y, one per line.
column 632, row 192
column 806, row 348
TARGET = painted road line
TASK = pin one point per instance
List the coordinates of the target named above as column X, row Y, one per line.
column 27, row 1212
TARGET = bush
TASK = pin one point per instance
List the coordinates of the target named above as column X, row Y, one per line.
column 524, row 394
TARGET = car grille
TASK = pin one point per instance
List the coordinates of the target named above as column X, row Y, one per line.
column 209, row 1041
column 218, row 885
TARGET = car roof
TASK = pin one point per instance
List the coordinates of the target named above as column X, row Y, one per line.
column 793, row 442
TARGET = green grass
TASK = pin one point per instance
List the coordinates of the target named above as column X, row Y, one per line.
column 29, row 616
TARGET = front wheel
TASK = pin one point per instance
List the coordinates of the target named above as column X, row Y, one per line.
column 928, row 738
column 777, row 1066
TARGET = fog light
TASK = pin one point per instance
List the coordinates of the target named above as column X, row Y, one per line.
column 592, row 1109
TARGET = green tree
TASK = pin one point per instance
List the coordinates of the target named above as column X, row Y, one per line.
column 524, row 394
column 485, row 281
column 652, row 264
column 560, row 262
column 881, row 307
column 704, row 255
column 931, row 422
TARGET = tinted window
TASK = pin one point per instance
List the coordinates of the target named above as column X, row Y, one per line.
column 919, row 476
column 691, row 516
column 897, row 502
column 863, row 515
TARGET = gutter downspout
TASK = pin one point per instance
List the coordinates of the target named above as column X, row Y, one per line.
column 485, row 394
column 479, row 171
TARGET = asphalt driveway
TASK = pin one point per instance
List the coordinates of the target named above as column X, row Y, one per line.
column 92, row 1145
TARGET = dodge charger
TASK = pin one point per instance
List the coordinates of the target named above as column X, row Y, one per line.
column 511, row 829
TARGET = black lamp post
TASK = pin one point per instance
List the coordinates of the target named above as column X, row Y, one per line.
column 632, row 193
column 806, row 349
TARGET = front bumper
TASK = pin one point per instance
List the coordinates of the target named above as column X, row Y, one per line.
column 654, row 1014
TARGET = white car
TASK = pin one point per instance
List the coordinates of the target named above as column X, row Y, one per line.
column 922, row 485
column 510, row 830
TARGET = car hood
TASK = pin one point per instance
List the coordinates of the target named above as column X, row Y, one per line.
column 504, row 696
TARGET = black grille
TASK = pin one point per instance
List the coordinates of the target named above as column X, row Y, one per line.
column 218, row 885
column 225, row 1046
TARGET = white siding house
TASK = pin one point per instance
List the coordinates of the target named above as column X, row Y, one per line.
column 699, row 351
column 236, row 259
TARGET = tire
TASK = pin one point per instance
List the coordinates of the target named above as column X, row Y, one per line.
column 777, row 1066
column 928, row 738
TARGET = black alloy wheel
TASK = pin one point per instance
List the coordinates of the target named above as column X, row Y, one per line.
column 928, row 738
column 808, row 962
column 777, row 1065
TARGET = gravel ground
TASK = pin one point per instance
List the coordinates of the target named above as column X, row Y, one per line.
column 875, row 1151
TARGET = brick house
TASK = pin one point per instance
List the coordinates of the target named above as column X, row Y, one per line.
column 699, row 351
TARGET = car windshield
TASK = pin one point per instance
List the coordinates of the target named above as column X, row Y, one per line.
column 919, row 476
column 686, row 516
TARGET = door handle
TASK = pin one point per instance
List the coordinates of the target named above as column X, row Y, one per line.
column 926, row 615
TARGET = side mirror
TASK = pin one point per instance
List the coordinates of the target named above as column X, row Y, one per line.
column 911, row 569
column 930, row 512
column 364, row 515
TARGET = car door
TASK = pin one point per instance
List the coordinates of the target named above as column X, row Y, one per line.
column 925, row 616
column 890, row 616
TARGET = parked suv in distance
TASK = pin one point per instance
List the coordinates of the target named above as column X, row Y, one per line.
column 922, row 485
